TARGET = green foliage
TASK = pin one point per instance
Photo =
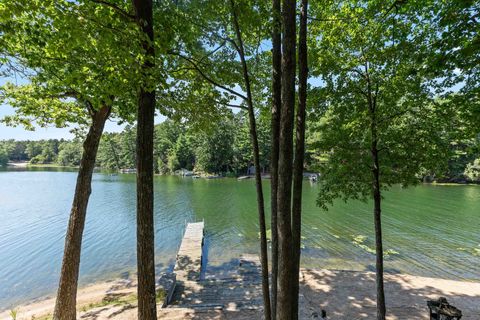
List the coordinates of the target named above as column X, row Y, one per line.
column 15, row 150
column 73, row 58
column 376, row 97
column 220, row 149
column 117, row 151
column 113, row 299
column 41, row 151
column 214, row 152
column 161, row 295
column 242, row 144
column 472, row 171
column 166, row 133
column 3, row 157
column 69, row 153
column 454, row 57
column 13, row 314
column 182, row 155
column 205, row 68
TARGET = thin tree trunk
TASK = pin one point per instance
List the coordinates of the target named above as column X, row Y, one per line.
column 256, row 161
column 147, row 309
column 276, row 106
column 65, row 305
column 299, row 154
column 381, row 309
column 377, row 198
column 284, row 192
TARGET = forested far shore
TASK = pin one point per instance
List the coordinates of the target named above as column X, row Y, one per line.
column 220, row 150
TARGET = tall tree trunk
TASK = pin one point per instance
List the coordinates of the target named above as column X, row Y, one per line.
column 276, row 106
column 256, row 161
column 147, row 309
column 377, row 198
column 299, row 154
column 284, row 192
column 65, row 305
column 381, row 309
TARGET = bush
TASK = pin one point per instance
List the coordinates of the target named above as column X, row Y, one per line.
column 472, row 171
column 3, row 158
column 40, row 159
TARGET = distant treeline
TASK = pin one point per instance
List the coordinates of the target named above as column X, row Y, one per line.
column 221, row 149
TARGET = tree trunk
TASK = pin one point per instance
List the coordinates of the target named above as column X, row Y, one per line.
column 381, row 309
column 147, row 309
column 299, row 154
column 256, row 161
column 284, row 192
column 65, row 305
column 377, row 198
column 276, row 106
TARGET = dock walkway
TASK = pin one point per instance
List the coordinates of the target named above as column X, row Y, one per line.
column 188, row 264
column 240, row 289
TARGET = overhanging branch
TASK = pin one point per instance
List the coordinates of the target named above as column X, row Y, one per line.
column 122, row 12
column 200, row 71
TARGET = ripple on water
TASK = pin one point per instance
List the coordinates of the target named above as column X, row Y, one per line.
column 426, row 225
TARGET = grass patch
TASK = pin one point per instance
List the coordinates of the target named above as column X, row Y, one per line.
column 45, row 317
column 268, row 234
column 13, row 314
column 161, row 295
column 113, row 299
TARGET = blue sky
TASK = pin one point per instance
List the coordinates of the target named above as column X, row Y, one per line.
column 19, row 133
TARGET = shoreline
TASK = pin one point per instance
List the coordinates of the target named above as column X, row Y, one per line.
column 343, row 294
column 26, row 164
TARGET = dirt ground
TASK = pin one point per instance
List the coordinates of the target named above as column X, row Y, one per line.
column 342, row 294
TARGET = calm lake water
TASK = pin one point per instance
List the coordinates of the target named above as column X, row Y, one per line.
column 434, row 230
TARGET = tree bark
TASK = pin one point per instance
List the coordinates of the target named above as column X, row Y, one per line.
column 65, row 305
column 256, row 161
column 284, row 192
column 299, row 154
column 147, row 309
column 275, row 124
column 381, row 309
column 377, row 197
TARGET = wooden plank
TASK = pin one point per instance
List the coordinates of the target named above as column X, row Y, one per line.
column 189, row 257
column 239, row 292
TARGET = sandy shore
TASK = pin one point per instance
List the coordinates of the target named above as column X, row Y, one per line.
column 343, row 294
column 22, row 164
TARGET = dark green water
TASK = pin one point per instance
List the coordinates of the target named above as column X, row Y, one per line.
column 434, row 230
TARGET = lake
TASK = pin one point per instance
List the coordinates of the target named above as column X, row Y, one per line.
column 430, row 230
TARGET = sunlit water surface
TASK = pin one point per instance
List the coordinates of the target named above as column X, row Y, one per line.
column 432, row 230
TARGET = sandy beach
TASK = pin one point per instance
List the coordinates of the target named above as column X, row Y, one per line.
column 342, row 294
column 22, row 164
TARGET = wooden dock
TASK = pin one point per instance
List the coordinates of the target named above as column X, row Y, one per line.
column 239, row 289
column 188, row 264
